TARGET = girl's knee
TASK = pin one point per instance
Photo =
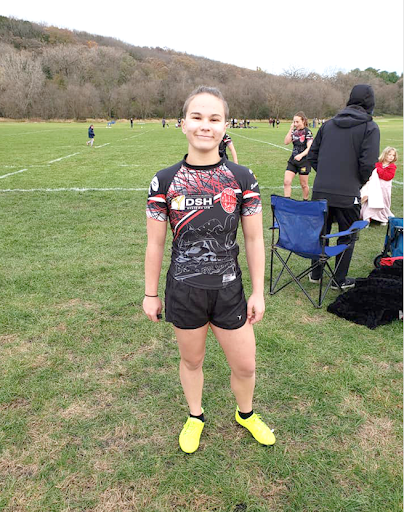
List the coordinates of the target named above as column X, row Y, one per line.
column 244, row 370
column 192, row 364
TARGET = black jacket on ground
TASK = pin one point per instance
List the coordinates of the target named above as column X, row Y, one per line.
column 344, row 152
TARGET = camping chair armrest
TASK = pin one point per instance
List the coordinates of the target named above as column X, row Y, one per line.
column 356, row 226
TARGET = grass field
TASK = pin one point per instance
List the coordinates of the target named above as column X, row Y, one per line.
column 90, row 400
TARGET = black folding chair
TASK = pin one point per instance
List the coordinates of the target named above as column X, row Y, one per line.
column 301, row 226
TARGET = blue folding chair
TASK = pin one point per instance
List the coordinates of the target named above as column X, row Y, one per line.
column 301, row 226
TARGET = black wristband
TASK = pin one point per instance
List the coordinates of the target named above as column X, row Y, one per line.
column 150, row 295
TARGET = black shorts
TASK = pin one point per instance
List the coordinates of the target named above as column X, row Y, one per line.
column 190, row 308
column 303, row 167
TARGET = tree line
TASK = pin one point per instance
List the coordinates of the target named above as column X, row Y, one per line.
column 52, row 73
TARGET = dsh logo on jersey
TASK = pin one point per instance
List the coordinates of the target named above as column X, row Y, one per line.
column 228, row 200
column 192, row 202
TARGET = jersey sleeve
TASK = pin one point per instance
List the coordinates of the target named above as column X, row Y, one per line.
column 251, row 202
column 309, row 135
column 156, row 202
column 227, row 139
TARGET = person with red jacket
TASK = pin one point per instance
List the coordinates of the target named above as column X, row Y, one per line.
column 386, row 170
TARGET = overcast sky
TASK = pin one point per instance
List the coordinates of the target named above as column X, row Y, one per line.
column 316, row 35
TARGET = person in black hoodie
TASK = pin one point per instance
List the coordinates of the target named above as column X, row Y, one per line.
column 343, row 154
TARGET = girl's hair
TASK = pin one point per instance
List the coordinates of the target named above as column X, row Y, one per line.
column 303, row 117
column 203, row 89
column 383, row 155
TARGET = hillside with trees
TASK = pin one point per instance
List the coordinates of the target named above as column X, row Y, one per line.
column 52, row 73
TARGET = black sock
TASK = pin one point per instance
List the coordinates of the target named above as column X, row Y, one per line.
column 200, row 417
column 245, row 415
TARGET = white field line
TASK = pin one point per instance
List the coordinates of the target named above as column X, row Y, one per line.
column 398, row 182
column 75, row 189
column 63, row 157
column 11, row 173
column 94, row 189
column 106, row 189
column 262, row 141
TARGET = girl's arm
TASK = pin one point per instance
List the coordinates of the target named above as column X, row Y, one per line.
column 305, row 152
column 288, row 138
column 156, row 236
column 233, row 152
column 255, row 252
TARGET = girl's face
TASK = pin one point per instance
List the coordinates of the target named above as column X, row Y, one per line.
column 205, row 123
column 391, row 155
column 298, row 123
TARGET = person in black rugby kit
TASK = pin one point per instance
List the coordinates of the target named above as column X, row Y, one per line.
column 225, row 143
column 203, row 197
column 302, row 139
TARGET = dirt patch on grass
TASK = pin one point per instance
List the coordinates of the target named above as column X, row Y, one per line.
column 17, row 403
column 352, row 402
column 76, row 303
column 87, row 410
column 198, row 501
column 306, row 319
column 8, row 338
column 13, row 466
column 376, row 433
column 135, row 497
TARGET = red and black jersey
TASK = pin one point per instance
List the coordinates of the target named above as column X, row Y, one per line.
column 203, row 205
column 300, row 139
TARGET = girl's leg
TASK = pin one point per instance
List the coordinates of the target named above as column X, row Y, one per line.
column 239, row 348
column 287, row 183
column 191, row 344
column 304, row 182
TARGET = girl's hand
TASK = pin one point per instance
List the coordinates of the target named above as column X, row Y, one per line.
column 292, row 127
column 255, row 308
column 152, row 306
column 298, row 157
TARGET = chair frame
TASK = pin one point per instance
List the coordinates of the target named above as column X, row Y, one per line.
column 322, row 260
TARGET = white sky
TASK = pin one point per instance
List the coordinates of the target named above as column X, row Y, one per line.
column 315, row 35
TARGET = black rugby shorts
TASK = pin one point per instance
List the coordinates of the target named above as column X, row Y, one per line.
column 190, row 308
column 303, row 167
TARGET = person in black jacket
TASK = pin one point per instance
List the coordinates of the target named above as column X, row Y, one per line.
column 343, row 154
column 91, row 135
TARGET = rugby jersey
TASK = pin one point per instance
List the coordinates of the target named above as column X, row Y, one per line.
column 203, row 205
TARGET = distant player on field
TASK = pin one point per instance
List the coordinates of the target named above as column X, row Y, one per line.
column 225, row 143
column 91, row 135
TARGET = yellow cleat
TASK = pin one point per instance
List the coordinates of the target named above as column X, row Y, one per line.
column 190, row 435
column 260, row 431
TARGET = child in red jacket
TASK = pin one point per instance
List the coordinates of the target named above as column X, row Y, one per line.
column 386, row 170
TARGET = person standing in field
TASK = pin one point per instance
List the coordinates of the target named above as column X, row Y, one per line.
column 386, row 170
column 227, row 143
column 203, row 197
column 343, row 155
column 91, row 135
column 302, row 139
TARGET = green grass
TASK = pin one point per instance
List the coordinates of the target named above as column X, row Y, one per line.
column 90, row 400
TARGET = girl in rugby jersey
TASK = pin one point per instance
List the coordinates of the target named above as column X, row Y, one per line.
column 203, row 197
column 302, row 139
